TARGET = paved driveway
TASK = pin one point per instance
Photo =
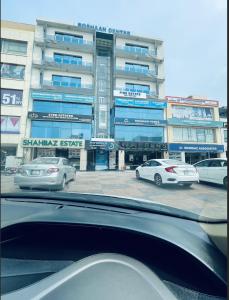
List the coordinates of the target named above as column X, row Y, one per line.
column 207, row 199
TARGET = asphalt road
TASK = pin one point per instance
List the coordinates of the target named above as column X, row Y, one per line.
column 205, row 199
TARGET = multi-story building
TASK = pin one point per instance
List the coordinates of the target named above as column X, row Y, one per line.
column 223, row 118
column 16, row 58
column 194, row 129
column 102, row 91
column 96, row 96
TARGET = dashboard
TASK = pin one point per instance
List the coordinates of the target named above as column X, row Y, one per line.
column 54, row 251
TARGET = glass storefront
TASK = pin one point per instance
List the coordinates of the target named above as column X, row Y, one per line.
column 73, row 155
column 139, row 113
column 139, row 133
column 134, row 159
column 61, row 107
column 189, row 134
column 50, row 129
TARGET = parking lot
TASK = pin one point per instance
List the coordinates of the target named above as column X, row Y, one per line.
column 201, row 198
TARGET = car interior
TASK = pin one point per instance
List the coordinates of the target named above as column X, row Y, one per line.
column 35, row 251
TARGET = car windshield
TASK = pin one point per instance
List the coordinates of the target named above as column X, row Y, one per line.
column 45, row 161
column 122, row 110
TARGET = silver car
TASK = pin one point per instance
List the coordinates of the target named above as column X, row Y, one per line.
column 45, row 172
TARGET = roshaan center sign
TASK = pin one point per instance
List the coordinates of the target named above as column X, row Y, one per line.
column 103, row 29
column 53, row 143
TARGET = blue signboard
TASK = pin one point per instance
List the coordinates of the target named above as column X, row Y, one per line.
column 102, row 145
column 188, row 122
column 140, row 103
column 196, row 148
column 141, row 122
column 62, row 97
column 11, row 97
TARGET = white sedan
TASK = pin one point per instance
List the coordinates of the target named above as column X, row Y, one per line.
column 168, row 171
column 213, row 170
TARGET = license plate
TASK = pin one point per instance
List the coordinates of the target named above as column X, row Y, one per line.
column 35, row 172
column 188, row 173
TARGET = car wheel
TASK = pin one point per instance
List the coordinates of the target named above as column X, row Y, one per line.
column 187, row 184
column 74, row 177
column 138, row 175
column 158, row 179
column 225, row 182
column 63, row 183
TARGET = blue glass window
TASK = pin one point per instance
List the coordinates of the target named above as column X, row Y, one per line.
column 12, row 71
column 66, row 81
column 59, row 107
column 68, row 38
column 137, row 88
column 67, row 59
column 136, row 48
column 49, row 129
column 137, row 67
column 139, row 134
column 139, row 113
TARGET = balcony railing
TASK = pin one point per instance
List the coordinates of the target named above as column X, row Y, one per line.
column 148, row 93
column 69, row 65
column 146, row 54
column 67, row 84
column 137, row 71
column 70, row 42
column 65, row 87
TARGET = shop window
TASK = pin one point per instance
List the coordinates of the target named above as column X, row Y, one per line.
column 192, row 113
column 67, row 59
column 10, row 124
column 68, row 38
column 13, row 47
column 12, row 71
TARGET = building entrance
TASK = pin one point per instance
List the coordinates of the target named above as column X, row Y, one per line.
column 62, row 153
column 134, row 159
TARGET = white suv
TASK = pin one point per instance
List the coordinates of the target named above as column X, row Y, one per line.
column 213, row 170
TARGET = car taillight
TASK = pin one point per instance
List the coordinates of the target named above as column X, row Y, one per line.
column 170, row 169
column 52, row 170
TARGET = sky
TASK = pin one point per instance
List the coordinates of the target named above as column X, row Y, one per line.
column 193, row 31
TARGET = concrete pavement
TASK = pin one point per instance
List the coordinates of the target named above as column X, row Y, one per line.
column 210, row 200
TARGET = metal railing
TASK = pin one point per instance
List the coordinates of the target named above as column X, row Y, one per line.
column 137, row 71
column 69, row 40
column 66, row 85
column 50, row 59
column 137, row 51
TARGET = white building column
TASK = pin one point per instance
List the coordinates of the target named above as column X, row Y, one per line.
column 83, row 160
column 27, row 154
column 19, row 153
column 121, row 160
column 183, row 156
column 165, row 154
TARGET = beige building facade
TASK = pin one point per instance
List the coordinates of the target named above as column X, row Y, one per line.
column 16, row 63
